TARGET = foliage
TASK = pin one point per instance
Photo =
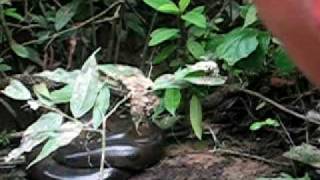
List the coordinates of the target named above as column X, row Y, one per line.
column 285, row 176
column 4, row 67
column 196, row 116
column 4, row 139
column 306, row 154
column 192, row 50
column 241, row 50
column 84, row 93
column 260, row 124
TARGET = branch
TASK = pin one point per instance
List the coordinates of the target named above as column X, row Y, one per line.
column 275, row 104
column 5, row 26
column 104, row 125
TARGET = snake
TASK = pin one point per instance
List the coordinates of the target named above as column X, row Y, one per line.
column 127, row 152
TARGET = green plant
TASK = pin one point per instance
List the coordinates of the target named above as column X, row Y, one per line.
column 4, row 140
column 191, row 26
column 83, row 91
column 260, row 124
column 202, row 41
column 205, row 73
column 4, row 67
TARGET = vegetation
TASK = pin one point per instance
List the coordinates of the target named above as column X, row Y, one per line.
column 190, row 49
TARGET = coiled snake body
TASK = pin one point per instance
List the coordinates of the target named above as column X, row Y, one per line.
column 126, row 153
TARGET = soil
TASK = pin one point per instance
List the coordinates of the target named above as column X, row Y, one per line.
column 205, row 165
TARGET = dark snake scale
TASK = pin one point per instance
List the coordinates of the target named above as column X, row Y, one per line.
column 126, row 153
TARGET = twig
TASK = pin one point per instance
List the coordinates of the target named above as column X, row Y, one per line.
column 145, row 48
column 5, row 26
column 8, row 107
column 111, row 40
column 248, row 109
column 57, row 3
column 19, row 161
column 106, row 19
column 135, row 12
column 60, row 112
column 214, row 136
column 93, row 26
column 151, row 64
column 286, row 132
column 118, row 39
column 54, row 36
column 104, row 126
column 255, row 157
column 78, row 26
column 275, row 104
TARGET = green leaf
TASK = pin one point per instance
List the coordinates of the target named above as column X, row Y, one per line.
column 183, row 4
column 163, row 34
column 256, row 126
column 254, row 63
column 250, row 16
column 196, row 116
column 172, row 99
column 264, row 39
column 49, row 147
column 47, row 122
column 60, row 75
column 37, row 133
column 62, row 95
column 195, row 48
column 4, row 68
column 169, row 8
column 16, row 90
column 195, row 17
column 12, row 12
column 69, row 131
column 214, row 42
column 164, row 6
column 20, row 50
column 7, row 2
column 117, row 71
column 237, row 45
column 206, row 80
column 283, row 62
column 101, row 106
column 197, row 32
column 199, row 9
column 34, row 56
column 85, row 89
column 65, row 14
column 157, row 3
column 135, row 24
column 166, row 81
column 305, row 153
column 43, row 94
column 164, row 54
column 260, row 124
column 199, row 68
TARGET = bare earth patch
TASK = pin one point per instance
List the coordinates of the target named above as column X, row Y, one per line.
column 194, row 165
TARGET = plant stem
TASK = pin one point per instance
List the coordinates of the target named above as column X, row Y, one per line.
column 4, row 25
column 104, row 127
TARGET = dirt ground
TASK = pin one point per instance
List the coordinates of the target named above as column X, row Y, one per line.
column 188, row 162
